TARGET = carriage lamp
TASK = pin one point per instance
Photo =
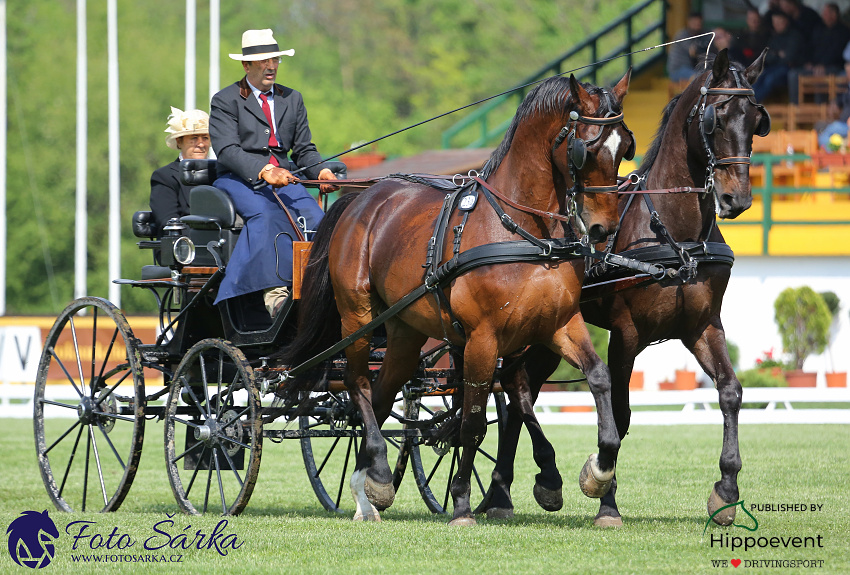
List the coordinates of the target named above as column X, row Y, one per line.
column 183, row 250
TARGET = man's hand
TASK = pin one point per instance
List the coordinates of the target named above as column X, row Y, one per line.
column 326, row 174
column 276, row 176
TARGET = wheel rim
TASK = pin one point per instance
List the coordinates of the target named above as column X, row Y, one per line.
column 435, row 466
column 213, row 431
column 331, row 459
column 89, row 408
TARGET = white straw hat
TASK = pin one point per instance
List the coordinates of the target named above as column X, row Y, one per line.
column 188, row 123
column 259, row 45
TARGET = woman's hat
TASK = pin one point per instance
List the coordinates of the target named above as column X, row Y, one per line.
column 259, row 45
column 188, row 123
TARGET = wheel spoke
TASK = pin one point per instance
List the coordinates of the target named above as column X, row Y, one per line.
column 111, row 389
column 108, row 352
column 328, row 456
column 219, row 407
column 61, row 437
column 197, row 468
column 232, row 466
column 99, row 468
column 220, row 484
column 94, row 349
column 114, row 416
column 434, row 470
column 65, row 370
column 109, row 441
column 209, row 483
column 237, row 418
column 449, row 480
column 182, row 455
column 477, row 479
column 77, row 352
column 487, row 455
column 344, row 471
column 50, row 402
column 205, row 383
column 187, row 387
column 70, row 460
column 86, row 474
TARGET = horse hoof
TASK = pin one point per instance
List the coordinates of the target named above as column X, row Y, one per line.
column 500, row 513
column 548, row 499
column 594, row 482
column 367, row 517
column 606, row 521
column 726, row 516
column 462, row 522
column 381, row 495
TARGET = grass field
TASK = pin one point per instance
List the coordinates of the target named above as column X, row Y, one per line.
column 665, row 475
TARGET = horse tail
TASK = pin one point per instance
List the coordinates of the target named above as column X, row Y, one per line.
column 319, row 322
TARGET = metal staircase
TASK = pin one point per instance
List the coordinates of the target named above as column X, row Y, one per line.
column 637, row 28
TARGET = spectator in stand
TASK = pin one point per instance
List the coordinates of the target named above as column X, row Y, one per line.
column 828, row 42
column 804, row 20
column 841, row 107
column 683, row 57
column 784, row 53
column 749, row 43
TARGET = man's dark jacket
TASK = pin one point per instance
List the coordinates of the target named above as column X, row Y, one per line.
column 240, row 133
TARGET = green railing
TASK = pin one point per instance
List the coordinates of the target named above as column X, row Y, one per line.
column 768, row 191
column 619, row 37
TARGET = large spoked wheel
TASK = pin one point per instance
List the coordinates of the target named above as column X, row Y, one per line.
column 330, row 451
column 213, row 430
column 89, row 407
column 434, row 466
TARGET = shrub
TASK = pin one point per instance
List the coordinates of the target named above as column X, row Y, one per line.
column 760, row 378
column 803, row 319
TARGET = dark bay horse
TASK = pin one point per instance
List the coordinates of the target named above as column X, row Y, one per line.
column 370, row 249
column 705, row 138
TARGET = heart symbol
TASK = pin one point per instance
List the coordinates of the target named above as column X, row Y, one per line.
column 735, row 562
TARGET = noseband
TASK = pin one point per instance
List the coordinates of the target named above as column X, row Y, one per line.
column 708, row 122
column 577, row 147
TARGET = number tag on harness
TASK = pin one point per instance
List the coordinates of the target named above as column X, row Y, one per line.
column 468, row 201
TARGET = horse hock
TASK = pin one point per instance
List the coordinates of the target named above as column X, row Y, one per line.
column 593, row 481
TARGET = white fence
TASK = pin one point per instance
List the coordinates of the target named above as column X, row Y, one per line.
column 698, row 406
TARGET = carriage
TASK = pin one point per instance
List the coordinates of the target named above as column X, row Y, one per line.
column 224, row 392
column 216, row 377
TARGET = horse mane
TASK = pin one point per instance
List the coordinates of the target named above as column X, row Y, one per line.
column 652, row 152
column 549, row 97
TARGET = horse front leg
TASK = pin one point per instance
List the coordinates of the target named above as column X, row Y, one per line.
column 371, row 483
column 713, row 356
column 479, row 363
column 622, row 350
column 574, row 344
column 522, row 383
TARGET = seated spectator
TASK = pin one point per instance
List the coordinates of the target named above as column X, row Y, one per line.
column 683, row 57
column 842, row 107
column 749, row 43
column 188, row 132
column 784, row 49
column 804, row 20
column 828, row 42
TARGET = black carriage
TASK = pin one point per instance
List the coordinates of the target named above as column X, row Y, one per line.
column 217, row 398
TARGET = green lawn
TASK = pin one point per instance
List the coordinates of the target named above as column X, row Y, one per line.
column 665, row 475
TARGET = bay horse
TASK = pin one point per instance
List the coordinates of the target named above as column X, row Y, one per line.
column 704, row 139
column 560, row 155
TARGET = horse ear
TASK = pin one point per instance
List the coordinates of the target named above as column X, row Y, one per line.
column 622, row 87
column 581, row 97
column 756, row 68
column 721, row 65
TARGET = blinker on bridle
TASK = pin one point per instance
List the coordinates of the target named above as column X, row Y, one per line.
column 708, row 120
column 577, row 147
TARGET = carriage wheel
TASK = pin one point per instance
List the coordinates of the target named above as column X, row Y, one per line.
column 330, row 458
column 213, row 430
column 434, row 466
column 89, row 407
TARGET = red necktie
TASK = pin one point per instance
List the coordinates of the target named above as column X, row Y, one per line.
column 272, row 140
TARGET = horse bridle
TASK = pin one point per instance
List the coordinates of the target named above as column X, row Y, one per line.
column 708, row 123
column 577, row 147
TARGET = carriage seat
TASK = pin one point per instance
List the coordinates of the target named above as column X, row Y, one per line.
column 143, row 225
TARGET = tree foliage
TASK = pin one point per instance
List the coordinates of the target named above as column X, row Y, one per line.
column 803, row 319
column 365, row 67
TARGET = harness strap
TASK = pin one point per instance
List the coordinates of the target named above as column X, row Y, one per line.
column 688, row 269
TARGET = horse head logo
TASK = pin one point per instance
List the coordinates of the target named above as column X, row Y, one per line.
column 31, row 539
column 743, row 508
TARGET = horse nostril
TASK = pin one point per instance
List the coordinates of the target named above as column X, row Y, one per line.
column 597, row 232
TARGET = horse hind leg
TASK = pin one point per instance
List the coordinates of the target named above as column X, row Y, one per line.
column 711, row 352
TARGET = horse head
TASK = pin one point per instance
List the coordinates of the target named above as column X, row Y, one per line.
column 31, row 538
column 597, row 139
column 723, row 120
